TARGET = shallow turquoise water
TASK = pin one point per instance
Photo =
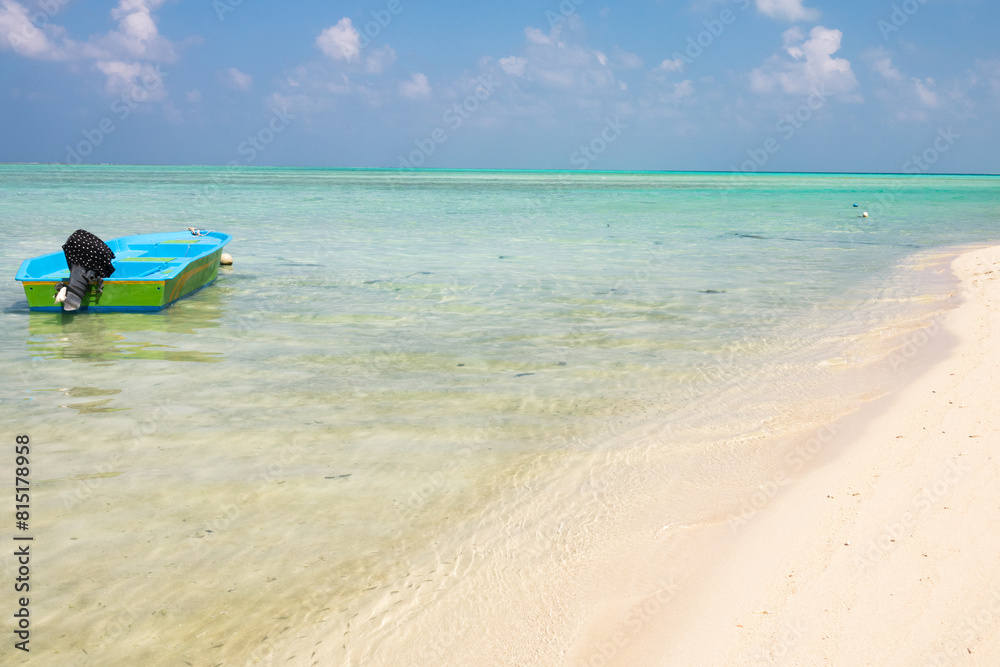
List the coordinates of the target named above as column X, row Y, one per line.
column 464, row 282
column 393, row 352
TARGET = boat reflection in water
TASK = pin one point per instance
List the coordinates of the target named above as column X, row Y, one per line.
column 110, row 337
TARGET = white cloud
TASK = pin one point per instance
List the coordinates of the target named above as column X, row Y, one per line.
column 136, row 39
column 683, row 89
column 812, row 69
column 790, row 38
column 141, row 82
column 137, row 34
column 380, row 59
column 553, row 75
column 881, row 63
column 554, row 78
column 787, row 10
column 675, row 65
column 193, row 96
column 925, row 94
column 551, row 61
column 626, row 59
column 536, row 36
column 341, row 87
column 238, row 80
column 119, row 54
column 416, row 88
column 341, row 41
column 910, row 98
column 513, row 65
column 18, row 34
column 990, row 69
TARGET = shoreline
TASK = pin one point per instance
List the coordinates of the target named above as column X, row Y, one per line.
column 618, row 559
column 603, row 563
column 880, row 551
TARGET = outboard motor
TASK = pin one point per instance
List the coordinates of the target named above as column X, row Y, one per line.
column 89, row 259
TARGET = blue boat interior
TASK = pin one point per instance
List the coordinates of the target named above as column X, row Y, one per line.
column 144, row 257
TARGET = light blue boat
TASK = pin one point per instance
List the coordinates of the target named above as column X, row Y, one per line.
column 151, row 271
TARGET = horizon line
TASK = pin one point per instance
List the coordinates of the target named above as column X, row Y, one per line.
column 503, row 169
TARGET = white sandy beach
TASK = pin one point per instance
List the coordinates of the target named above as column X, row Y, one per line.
column 883, row 550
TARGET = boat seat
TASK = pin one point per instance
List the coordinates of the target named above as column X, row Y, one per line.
column 137, row 267
column 182, row 248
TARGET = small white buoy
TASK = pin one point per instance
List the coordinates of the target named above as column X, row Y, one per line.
column 227, row 260
column 865, row 214
column 61, row 296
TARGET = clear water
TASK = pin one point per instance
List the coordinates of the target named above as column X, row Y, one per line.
column 403, row 367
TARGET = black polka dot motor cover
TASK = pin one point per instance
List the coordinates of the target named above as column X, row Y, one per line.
column 84, row 249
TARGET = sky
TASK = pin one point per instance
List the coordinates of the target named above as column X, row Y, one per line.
column 889, row 86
